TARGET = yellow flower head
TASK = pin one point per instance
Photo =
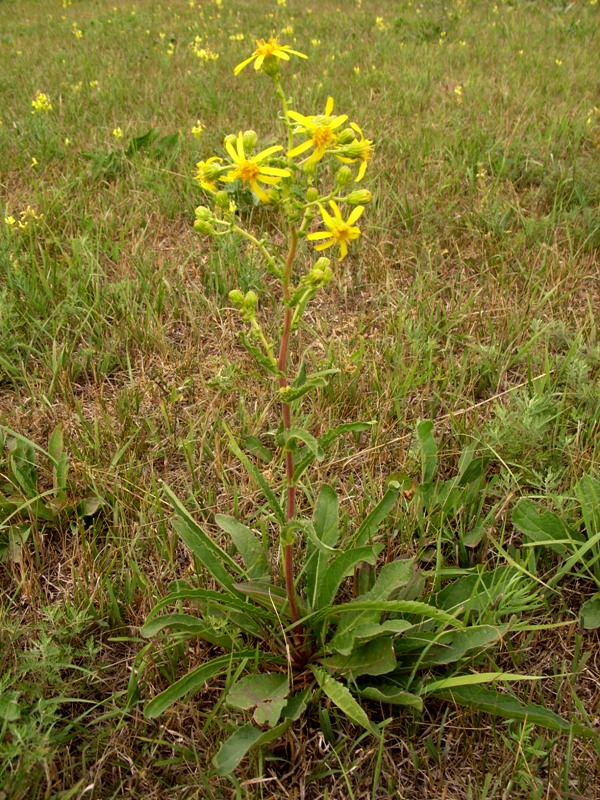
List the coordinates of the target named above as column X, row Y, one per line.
column 197, row 129
column 207, row 172
column 41, row 103
column 321, row 130
column 268, row 49
column 359, row 150
column 117, row 133
column 250, row 170
column 338, row 231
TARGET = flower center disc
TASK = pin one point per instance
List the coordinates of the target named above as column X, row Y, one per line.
column 248, row 171
column 323, row 135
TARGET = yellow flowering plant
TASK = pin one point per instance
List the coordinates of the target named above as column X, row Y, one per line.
column 317, row 614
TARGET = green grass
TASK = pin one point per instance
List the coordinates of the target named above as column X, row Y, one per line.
column 471, row 299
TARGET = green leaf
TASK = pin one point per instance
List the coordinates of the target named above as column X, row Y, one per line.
column 428, row 450
column 233, row 750
column 408, row 607
column 88, row 506
column 186, row 623
column 213, row 557
column 344, row 642
column 426, row 649
column 254, row 445
column 388, row 693
column 10, row 711
column 248, row 545
column 266, row 694
column 376, row 657
column 392, row 576
column 59, row 457
column 473, row 679
column 168, row 146
column 257, row 475
column 325, row 443
column 193, row 682
column 299, row 434
column 544, row 528
column 326, row 529
column 243, row 739
column 503, row 705
column 138, row 143
column 261, row 358
column 590, row 612
column 341, row 567
column 588, row 491
column 371, row 524
column 341, row 696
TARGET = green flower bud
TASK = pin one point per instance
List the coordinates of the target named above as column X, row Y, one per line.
column 343, row 176
column 312, row 194
column 346, row 136
column 250, row 139
column 204, row 227
column 222, row 199
column 236, row 297
column 203, row 213
column 231, row 138
column 359, row 197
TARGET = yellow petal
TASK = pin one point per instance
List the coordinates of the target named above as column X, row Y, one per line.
column 325, row 245
column 361, row 171
column 301, row 148
column 329, row 106
column 240, row 146
column 259, row 61
column 282, row 173
column 269, row 151
column 244, row 64
column 355, row 214
column 259, row 192
column 319, row 235
column 336, row 210
column 231, row 150
column 343, row 249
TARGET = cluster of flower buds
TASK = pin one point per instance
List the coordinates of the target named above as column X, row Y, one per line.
column 246, row 303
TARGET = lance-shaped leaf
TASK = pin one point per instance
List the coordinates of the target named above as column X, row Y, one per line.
column 371, row 524
column 341, row 567
column 394, row 695
column 428, row 450
column 288, row 437
column 248, row 545
column 341, row 696
column 326, row 522
column 376, row 657
column 325, row 442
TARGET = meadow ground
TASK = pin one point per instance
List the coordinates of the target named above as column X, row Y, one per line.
column 471, row 299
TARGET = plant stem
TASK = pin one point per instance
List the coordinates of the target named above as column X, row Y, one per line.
column 287, row 423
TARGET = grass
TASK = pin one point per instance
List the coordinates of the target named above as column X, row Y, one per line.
column 472, row 301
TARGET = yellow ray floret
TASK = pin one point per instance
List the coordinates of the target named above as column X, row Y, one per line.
column 338, row 231
column 321, row 130
column 250, row 170
column 206, row 173
column 264, row 49
column 359, row 150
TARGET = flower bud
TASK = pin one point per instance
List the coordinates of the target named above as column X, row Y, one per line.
column 250, row 139
column 203, row 213
column 222, row 199
column 231, row 138
column 343, row 176
column 312, row 194
column 204, row 227
column 236, row 297
column 346, row 136
column 359, row 197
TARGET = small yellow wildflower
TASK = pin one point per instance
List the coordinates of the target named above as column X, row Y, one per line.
column 77, row 33
column 41, row 103
column 268, row 49
column 250, row 170
column 207, row 172
column 321, row 129
column 315, row 42
column 117, row 133
column 67, row 141
column 459, row 93
column 94, row 85
column 359, row 150
column 558, row 62
column 379, row 23
column 338, row 231
column 288, row 31
column 34, row 162
column 236, row 37
column 171, row 49
column 197, row 129
column 10, row 221
column 356, row 70
column 282, row 3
